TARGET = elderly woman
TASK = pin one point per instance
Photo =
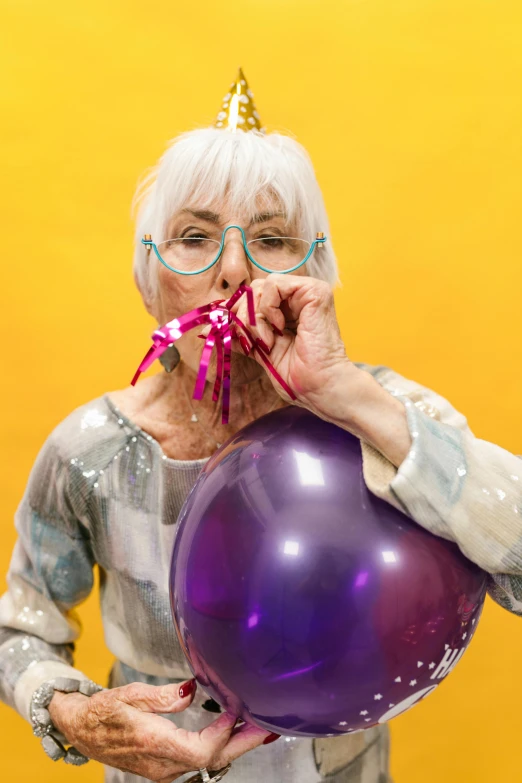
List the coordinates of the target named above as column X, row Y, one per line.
column 111, row 479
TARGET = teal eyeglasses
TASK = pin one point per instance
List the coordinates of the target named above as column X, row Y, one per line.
column 192, row 255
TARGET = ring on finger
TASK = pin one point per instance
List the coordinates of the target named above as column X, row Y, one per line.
column 205, row 776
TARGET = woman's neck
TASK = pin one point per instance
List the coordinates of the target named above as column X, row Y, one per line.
column 162, row 405
column 249, row 399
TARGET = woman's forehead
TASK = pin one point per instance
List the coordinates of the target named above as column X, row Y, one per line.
column 225, row 216
column 222, row 211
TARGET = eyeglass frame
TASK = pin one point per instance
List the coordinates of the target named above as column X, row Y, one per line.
column 319, row 241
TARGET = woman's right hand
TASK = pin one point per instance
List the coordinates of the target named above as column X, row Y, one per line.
column 121, row 727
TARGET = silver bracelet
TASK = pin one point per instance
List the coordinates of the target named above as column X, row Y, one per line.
column 53, row 741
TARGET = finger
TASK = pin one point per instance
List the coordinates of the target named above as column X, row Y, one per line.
column 243, row 739
column 205, row 331
column 296, row 292
column 246, row 346
column 262, row 330
column 276, row 329
column 192, row 749
column 210, row 741
column 217, row 734
column 171, row 698
column 239, row 342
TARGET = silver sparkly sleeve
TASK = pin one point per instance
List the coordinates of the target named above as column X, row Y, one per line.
column 51, row 571
column 455, row 485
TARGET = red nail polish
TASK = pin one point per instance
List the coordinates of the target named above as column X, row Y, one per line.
column 245, row 345
column 187, row 689
column 271, row 738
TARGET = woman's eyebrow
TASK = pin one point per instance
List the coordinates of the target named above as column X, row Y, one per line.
column 264, row 216
column 203, row 214
column 213, row 217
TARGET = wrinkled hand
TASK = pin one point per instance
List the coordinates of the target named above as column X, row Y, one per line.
column 120, row 727
column 308, row 352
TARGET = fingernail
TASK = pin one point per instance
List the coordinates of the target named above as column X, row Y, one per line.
column 271, row 738
column 276, row 329
column 245, row 345
column 263, row 345
column 187, row 689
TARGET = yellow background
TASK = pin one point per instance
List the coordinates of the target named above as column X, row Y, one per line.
column 411, row 110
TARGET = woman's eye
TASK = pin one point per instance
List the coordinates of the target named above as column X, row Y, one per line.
column 192, row 239
column 274, row 243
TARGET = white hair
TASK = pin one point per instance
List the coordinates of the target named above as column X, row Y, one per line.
column 209, row 166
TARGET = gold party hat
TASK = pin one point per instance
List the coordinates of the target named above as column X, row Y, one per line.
column 238, row 111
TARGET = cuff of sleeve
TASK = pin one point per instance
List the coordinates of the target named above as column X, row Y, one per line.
column 429, row 481
column 35, row 676
column 379, row 473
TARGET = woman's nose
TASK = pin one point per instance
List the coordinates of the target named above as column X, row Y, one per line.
column 234, row 265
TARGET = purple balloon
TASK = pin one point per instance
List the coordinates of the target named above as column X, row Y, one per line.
column 305, row 604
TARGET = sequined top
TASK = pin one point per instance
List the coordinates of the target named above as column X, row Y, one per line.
column 102, row 492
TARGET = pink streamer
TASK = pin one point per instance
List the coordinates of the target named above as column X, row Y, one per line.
column 223, row 328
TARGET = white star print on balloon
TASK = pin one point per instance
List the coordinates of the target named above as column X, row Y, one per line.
column 397, row 709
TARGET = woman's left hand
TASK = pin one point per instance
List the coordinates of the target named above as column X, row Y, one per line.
column 309, row 354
